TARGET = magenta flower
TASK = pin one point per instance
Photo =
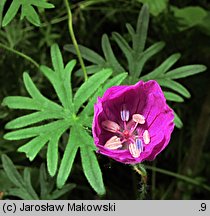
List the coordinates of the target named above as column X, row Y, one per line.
column 132, row 123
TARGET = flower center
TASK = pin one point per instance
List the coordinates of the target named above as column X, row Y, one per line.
column 126, row 134
column 131, row 136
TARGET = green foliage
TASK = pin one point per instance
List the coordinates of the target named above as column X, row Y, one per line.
column 27, row 11
column 22, row 186
column 189, row 16
column 59, row 118
column 137, row 56
column 155, row 7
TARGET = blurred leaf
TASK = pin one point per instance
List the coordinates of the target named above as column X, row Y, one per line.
column 139, row 39
column 185, row 71
column 189, row 16
column 174, row 86
column 162, row 68
column 5, row 182
column 47, row 184
column 99, row 62
column 87, row 54
column 155, row 7
column 11, row 171
column 23, row 189
column 109, row 55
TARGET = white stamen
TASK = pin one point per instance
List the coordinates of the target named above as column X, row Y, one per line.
column 146, row 137
column 138, row 118
column 110, row 126
column 133, row 149
column 124, row 113
column 113, row 143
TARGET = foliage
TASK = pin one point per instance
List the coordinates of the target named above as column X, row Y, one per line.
column 62, row 117
column 22, row 183
column 27, row 10
column 137, row 56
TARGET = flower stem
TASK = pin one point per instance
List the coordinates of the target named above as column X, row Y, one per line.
column 28, row 58
column 139, row 168
column 71, row 32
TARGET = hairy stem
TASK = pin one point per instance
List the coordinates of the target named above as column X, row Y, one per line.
column 71, row 32
column 142, row 172
column 28, row 58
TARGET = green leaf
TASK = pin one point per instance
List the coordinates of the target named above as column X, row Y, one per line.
column 68, row 158
column 86, row 53
column 177, row 121
column 47, row 129
column 59, row 192
column 12, row 11
column 30, row 14
column 2, row 3
column 143, row 58
column 19, row 192
column 27, row 10
column 155, row 7
column 109, row 55
column 162, row 68
column 31, row 88
column 52, row 152
column 41, row 3
column 92, row 170
column 33, row 147
column 173, row 97
column 189, row 16
column 28, row 186
column 89, row 87
column 122, row 43
column 11, row 171
column 58, row 118
column 19, row 102
column 32, row 118
column 60, row 78
column 139, row 40
column 116, row 80
column 185, row 71
column 174, row 86
column 57, row 59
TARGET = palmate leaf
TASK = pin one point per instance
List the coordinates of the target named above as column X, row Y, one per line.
column 99, row 63
column 58, row 119
column 136, row 55
column 47, row 185
column 27, row 10
column 23, row 189
column 22, row 186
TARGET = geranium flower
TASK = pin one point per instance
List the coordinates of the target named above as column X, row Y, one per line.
column 132, row 123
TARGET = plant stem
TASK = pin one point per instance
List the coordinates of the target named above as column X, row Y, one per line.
column 28, row 58
column 142, row 172
column 71, row 32
column 179, row 176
